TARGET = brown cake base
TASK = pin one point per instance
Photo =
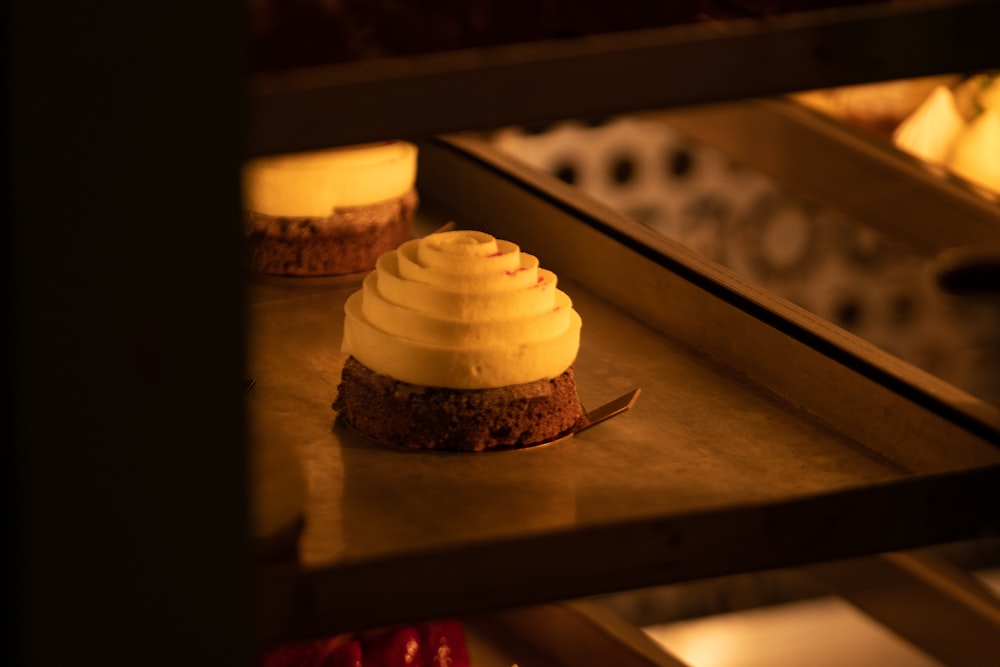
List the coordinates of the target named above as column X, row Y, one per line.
column 348, row 241
column 399, row 414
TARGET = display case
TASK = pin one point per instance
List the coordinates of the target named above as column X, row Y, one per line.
column 765, row 437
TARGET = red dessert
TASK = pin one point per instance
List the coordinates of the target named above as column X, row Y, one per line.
column 439, row 643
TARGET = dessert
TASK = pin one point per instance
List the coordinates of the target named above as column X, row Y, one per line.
column 876, row 107
column 437, row 643
column 460, row 341
column 989, row 94
column 929, row 131
column 328, row 212
column 975, row 153
column 977, row 93
column 958, row 129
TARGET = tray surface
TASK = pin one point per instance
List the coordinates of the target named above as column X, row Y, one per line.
column 694, row 440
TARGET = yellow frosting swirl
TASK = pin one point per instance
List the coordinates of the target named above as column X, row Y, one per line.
column 463, row 310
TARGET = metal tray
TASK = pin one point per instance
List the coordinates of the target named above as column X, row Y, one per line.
column 763, row 437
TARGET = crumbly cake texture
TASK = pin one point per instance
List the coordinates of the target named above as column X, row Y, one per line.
column 347, row 241
column 404, row 415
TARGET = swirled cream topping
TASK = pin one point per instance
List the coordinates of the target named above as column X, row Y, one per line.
column 464, row 310
column 313, row 183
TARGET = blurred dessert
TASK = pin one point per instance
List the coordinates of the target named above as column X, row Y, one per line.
column 959, row 128
column 976, row 93
column 460, row 341
column 329, row 212
column 877, row 107
column 975, row 152
column 437, row 643
column 949, row 122
column 928, row 132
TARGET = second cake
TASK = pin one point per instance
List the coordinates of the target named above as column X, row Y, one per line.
column 329, row 212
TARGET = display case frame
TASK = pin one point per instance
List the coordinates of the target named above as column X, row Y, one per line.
column 125, row 138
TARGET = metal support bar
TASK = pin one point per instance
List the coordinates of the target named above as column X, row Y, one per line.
column 938, row 607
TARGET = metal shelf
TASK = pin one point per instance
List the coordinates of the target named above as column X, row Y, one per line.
column 598, row 75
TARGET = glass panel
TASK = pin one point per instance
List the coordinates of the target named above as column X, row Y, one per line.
column 836, row 265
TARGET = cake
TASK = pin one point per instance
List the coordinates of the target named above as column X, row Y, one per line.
column 928, row 133
column 959, row 129
column 977, row 93
column 975, row 153
column 328, row 212
column 460, row 341
column 877, row 107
